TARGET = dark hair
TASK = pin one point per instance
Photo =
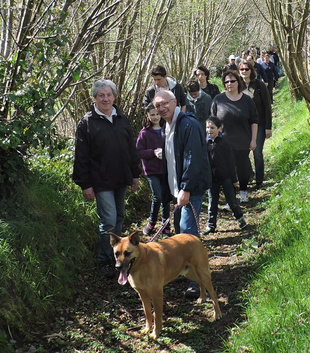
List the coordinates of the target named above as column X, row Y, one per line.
column 146, row 121
column 204, row 69
column 149, row 107
column 215, row 120
column 251, row 67
column 236, row 76
column 192, row 86
column 158, row 70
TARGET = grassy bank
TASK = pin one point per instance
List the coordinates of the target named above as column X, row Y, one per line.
column 277, row 303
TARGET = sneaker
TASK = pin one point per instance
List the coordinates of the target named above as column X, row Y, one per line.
column 106, row 270
column 242, row 223
column 226, row 207
column 244, row 196
column 166, row 232
column 193, row 292
column 148, row 229
column 208, row 230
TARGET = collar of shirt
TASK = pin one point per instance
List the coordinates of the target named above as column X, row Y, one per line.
column 110, row 118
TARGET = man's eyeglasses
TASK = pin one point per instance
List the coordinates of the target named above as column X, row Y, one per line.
column 244, row 69
column 163, row 104
column 230, row 81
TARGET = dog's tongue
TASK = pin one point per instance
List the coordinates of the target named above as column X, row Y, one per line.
column 122, row 279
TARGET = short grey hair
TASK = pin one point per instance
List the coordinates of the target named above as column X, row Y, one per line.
column 103, row 84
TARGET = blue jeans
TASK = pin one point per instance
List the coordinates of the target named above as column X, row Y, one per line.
column 111, row 210
column 214, row 195
column 155, row 185
column 184, row 218
column 258, row 154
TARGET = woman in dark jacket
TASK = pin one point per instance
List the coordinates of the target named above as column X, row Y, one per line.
column 258, row 91
column 106, row 163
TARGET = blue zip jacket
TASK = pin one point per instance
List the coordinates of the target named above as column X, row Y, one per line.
column 191, row 156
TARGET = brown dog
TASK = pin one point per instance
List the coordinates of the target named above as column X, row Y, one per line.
column 148, row 267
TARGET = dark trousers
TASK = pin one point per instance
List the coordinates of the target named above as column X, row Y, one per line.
column 258, row 154
column 214, row 195
column 244, row 167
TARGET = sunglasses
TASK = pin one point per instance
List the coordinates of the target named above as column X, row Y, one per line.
column 244, row 69
column 230, row 81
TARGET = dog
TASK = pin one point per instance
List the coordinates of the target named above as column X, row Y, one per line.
column 149, row 267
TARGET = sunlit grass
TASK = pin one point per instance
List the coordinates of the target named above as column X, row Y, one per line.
column 278, row 308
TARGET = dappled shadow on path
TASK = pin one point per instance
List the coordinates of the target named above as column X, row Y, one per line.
column 107, row 317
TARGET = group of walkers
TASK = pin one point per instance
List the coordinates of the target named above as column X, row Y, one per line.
column 192, row 141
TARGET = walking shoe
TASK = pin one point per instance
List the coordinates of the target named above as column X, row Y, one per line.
column 192, row 292
column 106, row 270
column 166, row 232
column 244, row 196
column 148, row 229
column 208, row 230
column 242, row 222
column 227, row 207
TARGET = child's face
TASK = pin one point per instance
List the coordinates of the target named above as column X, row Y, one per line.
column 153, row 116
column 212, row 130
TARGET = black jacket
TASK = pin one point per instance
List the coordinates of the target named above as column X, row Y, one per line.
column 105, row 153
column 262, row 102
column 221, row 159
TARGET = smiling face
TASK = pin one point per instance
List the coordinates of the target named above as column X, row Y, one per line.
column 104, row 100
column 165, row 105
column 244, row 71
column 154, row 116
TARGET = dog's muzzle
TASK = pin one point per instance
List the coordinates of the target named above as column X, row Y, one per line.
column 124, row 271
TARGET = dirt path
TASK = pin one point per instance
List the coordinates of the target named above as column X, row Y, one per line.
column 105, row 317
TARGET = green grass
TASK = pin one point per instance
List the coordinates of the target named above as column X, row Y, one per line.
column 48, row 237
column 278, row 304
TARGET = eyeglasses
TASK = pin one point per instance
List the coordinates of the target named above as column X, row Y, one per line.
column 163, row 104
column 230, row 81
column 244, row 69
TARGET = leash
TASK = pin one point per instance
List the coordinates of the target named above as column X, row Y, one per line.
column 168, row 220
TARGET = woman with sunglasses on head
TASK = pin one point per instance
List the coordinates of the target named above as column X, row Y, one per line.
column 239, row 118
column 258, row 91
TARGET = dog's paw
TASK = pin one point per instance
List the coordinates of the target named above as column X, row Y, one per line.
column 201, row 300
column 154, row 335
column 145, row 330
column 217, row 315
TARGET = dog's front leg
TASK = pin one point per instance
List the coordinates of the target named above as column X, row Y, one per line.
column 146, row 302
column 158, row 313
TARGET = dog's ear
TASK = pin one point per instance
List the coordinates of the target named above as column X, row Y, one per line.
column 134, row 238
column 114, row 239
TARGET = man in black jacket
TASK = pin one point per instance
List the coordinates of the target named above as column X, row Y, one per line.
column 106, row 163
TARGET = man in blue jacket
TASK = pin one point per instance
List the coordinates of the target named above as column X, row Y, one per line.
column 187, row 173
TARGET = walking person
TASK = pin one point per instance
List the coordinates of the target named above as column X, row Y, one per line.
column 198, row 102
column 187, row 173
column 203, row 74
column 223, row 175
column 272, row 75
column 239, row 118
column 258, row 91
column 106, row 163
column 164, row 82
column 149, row 147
